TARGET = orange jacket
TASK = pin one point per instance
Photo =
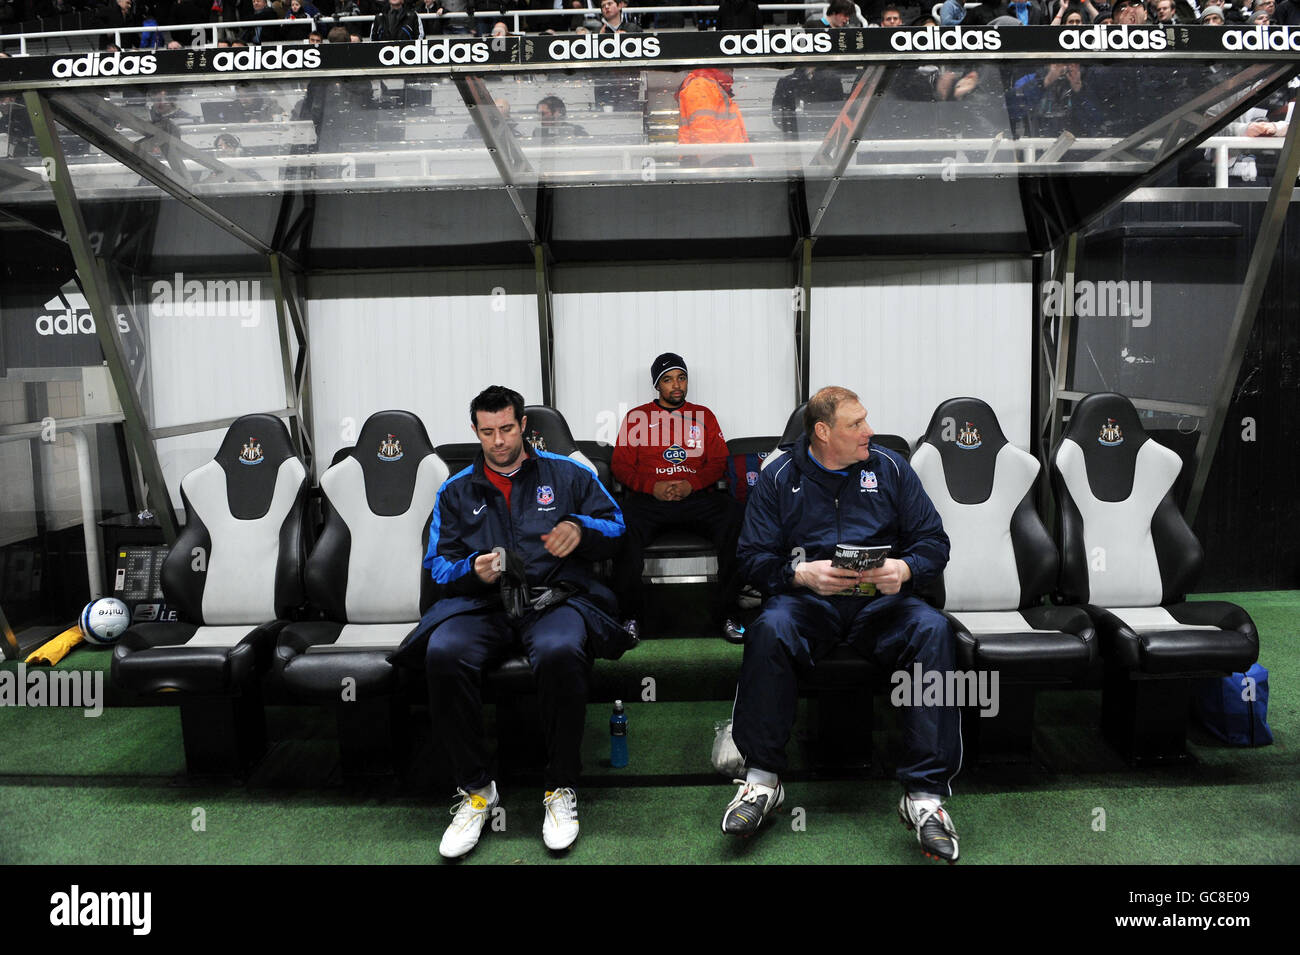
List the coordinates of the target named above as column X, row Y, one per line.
column 709, row 114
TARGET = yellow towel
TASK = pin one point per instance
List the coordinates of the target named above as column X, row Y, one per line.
column 57, row 648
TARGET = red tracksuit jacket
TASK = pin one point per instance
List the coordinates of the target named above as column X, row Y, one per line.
column 657, row 445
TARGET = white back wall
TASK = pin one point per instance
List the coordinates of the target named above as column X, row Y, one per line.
column 907, row 335
column 421, row 342
column 732, row 323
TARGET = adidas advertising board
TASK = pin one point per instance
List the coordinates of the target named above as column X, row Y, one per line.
column 451, row 53
column 436, row 52
column 105, row 64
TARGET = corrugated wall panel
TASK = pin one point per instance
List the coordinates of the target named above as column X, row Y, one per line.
column 731, row 322
column 423, row 342
column 908, row 335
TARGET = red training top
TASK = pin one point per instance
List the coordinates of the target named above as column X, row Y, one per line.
column 659, row 445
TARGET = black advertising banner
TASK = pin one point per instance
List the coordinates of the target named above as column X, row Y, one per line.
column 488, row 54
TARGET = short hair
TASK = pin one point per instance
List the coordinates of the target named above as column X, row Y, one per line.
column 841, row 6
column 554, row 104
column 496, row 398
column 891, row 6
column 338, row 34
column 823, row 405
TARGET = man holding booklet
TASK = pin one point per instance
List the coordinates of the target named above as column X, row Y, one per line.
column 836, row 535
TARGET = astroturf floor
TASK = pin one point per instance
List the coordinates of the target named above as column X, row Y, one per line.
column 112, row 789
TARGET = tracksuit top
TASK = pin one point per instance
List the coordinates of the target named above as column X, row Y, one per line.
column 798, row 511
column 659, row 445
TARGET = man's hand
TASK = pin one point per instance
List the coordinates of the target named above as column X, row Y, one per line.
column 683, row 489
column 890, row 577
column 663, row 490
column 822, row 577
column 488, row 567
column 562, row 539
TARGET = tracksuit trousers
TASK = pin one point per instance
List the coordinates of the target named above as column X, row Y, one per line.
column 459, row 651
column 794, row 631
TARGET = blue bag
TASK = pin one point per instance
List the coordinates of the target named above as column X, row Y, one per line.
column 1234, row 710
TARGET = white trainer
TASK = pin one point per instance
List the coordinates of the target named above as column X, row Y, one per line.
column 560, row 824
column 468, row 818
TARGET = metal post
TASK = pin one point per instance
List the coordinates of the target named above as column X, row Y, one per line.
column 94, row 286
column 1243, row 319
column 803, row 317
column 545, row 321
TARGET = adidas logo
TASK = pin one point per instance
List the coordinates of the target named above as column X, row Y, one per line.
column 1114, row 37
column 105, row 64
column 1263, row 38
column 267, row 58
column 72, row 318
column 776, row 41
column 436, row 52
column 946, row 38
column 619, row 46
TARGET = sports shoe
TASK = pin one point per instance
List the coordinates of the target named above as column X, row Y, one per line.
column 560, row 824
column 934, row 828
column 750, row 807
column 468, row 818
column 633, row 629
column 733, row 632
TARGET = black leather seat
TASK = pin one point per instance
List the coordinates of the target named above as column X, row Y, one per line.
column 1001, row 567
column 548, row 431
column 235, row 579
column 1128, row 557
column 366, row 576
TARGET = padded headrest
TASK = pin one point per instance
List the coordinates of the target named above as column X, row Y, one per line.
column 968, row 437
column 793, row 426
column 1108, row 430
column 389, row 449
column 548, row 431
column 251, row 454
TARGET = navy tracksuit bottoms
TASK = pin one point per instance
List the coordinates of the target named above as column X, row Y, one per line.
column 794, row 631
column 461, row 648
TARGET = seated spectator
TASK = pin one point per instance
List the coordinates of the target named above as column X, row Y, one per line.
column 395, row 22
column 613, row 19
column 1287, row 13
column 551, row 112
column 259, row 34
column 1073, row 14
column 1211, row 16
column 1130, row 12
column 115, row 16
column 503, row 106
column 185, row 20
column 836, row 17
column 338, row 34
column 306, row 13
column 315, row 37
column 425, row 10
column 1028, row 12
column 255, row 107
column 892, row 16
column 669, row 456
column 500, row 28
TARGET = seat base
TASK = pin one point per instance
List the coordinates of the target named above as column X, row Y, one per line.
column 1146, row 719
column 374, row 736
column 223, row 735
column 1007, row 737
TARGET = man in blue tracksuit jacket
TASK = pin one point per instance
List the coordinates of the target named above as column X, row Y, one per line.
column 554, row 513
column 832, row 488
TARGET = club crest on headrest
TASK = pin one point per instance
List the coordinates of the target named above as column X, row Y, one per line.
column 390, row 449
column 251, row 453
column 536, row 441
column 968, row 439
column 1111, row 435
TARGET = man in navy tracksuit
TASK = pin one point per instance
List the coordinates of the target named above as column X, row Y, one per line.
column 553, row 512
column 833, row 488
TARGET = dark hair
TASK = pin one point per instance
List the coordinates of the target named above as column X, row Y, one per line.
column 554, row 104
column 338, row 34
column 841, row 6
column 496, row 398
column 822, row 407
column 897, row 9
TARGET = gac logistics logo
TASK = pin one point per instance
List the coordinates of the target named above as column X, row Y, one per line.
column 435, row 52
column 617, row 46
column 105, row 64
column 267, row 58
column 776, row 41
column 1112, row 37
column 1263, row 38
column 933, row 39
